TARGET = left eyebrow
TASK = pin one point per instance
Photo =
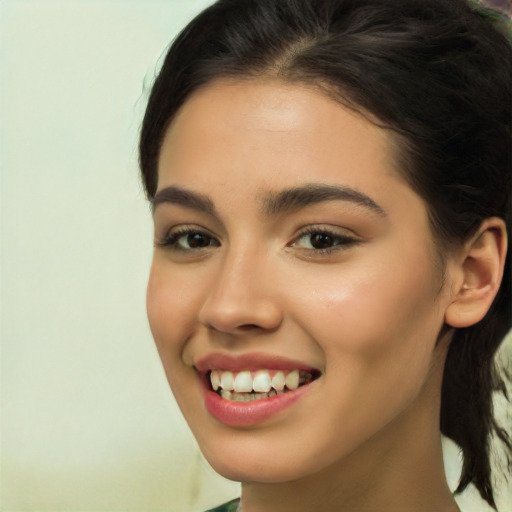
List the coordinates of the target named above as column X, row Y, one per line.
column 185, row 198
column 293, row 199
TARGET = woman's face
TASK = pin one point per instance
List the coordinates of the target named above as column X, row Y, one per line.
column 286, row 240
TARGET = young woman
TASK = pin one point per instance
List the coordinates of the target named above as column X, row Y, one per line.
column 330, row 182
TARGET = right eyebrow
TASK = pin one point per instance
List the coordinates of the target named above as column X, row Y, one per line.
column 185, row 198
column 312, row 193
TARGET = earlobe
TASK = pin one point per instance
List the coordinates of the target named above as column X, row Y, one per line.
column 481, row 268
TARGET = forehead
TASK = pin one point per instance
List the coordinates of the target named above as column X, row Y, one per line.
column 261, row 128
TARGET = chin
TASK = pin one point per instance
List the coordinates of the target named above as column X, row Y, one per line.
column 252, row 462
column 255, row 471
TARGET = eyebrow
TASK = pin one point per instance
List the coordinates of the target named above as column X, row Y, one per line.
column 285, row 201
column 299, row 197
column 185, row 198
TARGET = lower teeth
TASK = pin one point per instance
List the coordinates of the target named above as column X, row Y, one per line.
column 247, row 397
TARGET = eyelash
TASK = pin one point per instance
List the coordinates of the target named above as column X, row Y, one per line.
column 344, row 241
column 170, row 240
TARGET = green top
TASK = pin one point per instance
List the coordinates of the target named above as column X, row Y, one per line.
column 232, row 506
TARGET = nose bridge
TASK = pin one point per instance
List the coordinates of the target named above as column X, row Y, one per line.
column 242, row 294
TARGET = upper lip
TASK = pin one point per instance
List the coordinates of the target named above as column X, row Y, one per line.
column 251, row 361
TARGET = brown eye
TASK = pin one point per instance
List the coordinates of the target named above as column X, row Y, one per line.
column 196, row 240
column 322, row 241
column 189, row 240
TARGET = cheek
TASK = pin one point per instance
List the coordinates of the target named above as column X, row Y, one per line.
column 378, row 331
column 172, row 302
column 171, row 305
column 376, row 313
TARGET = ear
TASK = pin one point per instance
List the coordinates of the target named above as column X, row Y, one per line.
column 479, row 273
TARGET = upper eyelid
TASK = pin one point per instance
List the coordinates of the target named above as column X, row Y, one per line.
column 327, row 229
column 165, row 222
column 180, row 229
column 187, row 228
column 322, row 227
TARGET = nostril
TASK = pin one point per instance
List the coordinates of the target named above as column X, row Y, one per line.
column 249, row 327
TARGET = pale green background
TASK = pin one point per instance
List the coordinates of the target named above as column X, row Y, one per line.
column 88, row 422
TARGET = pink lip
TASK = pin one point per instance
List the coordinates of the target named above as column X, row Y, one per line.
column 252, row 362
column 247, row 414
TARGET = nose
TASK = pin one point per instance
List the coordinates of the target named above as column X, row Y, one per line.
column 242, row 296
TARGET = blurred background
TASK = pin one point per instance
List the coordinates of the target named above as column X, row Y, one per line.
column 87, row 420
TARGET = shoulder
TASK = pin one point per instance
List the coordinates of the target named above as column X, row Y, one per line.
column 232, row 506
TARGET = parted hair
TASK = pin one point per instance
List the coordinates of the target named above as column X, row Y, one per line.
column 437, row 75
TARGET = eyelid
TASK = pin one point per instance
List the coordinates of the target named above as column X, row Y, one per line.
column 334, row 231
column 328, row 228
column 348, row 239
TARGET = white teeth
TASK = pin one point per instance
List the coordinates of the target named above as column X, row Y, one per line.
column 292, row 380
column 215, row 379
column 278, row 381
column 262, row 382
column 243, row 382
column 227, row 381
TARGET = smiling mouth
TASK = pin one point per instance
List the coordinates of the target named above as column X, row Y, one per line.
column 247, row 386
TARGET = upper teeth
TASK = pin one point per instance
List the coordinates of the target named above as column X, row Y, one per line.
column 260, row 381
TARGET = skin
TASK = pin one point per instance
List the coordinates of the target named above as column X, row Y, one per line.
column 367, row 314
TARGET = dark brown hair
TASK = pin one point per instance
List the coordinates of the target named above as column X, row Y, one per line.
column 437, row 74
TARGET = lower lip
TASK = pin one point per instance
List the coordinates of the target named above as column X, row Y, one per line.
column 247, row 414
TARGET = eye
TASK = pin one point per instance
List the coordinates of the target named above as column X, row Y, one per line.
column 321, row 240
column 188, row 239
